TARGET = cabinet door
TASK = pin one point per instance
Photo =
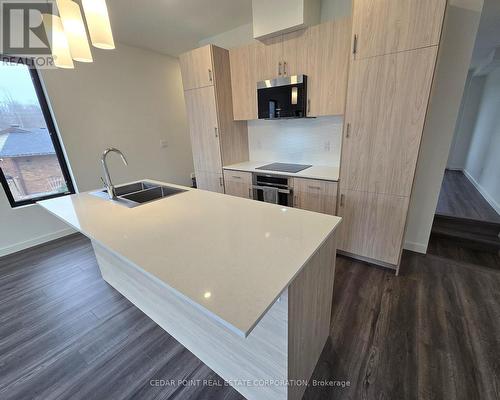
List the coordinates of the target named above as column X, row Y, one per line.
column 295, row 53
column 269, row 58
column 314, row 195
column 386, row 108
column 197, row 68
column 238, row 183
column 203, row 129
column 328, row 50
column 389, row 26
column 244, row 82
column 210, row 181
column 373, row 225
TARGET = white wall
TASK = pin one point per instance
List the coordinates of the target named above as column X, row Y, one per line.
column 314, row 141
column 457, row 43
column 128, row 98
column 466, row 122
column 483, row 159
column 330, row 9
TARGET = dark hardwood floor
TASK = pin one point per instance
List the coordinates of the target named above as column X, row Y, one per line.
column 459, row 198
column 432, row 333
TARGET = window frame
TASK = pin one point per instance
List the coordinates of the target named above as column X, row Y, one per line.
column 51, row 128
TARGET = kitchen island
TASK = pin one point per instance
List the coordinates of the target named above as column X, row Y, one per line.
column 245, row 286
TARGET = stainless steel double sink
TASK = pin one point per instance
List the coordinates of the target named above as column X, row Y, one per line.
column 135, row 194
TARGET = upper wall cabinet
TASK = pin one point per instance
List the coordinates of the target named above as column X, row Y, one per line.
column 320, row 52
column 327, row 67
column 197, row 68
column 244, row 81
column 269, row 62
column 389, row 26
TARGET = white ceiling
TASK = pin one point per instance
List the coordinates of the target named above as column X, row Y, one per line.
column 174, row 26
column 488, row 36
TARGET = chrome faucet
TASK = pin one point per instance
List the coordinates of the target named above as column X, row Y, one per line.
column 107, row 182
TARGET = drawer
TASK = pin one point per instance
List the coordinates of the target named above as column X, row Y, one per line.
column 238, row 176
column 313, row 186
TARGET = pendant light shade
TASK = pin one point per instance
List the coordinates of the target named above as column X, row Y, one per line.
column 75, row 30
column 96, row 14
column 60, row 47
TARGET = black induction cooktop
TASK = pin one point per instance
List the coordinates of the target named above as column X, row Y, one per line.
column 283, row 167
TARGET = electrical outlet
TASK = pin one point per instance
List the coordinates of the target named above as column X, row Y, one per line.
column 163, row 143
column 327, row 146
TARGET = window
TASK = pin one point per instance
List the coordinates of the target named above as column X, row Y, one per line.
column 32, row 164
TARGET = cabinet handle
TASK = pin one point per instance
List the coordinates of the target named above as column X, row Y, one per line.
column 284, row 67
column 216, row 132
column 348, row 130
column 279, row 68
column 210, row 77
column 236, row 177
column 250, row 193
column 355, row 45
column 221, row 181
column 342, row 200
column 314, row 187
column 308, row 106
column 295, row 201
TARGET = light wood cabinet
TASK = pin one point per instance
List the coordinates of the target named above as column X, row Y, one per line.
column 373, row 225
column 389, row 26
column 197, row 68
column 269, row 54
column 204, row 129
column 216, row 139
column 315, row 195
column 390, row 79
column 244, row 81
column 321, row 52
column 295, row 52
column 385, row 117
column 238, row 183
column 213, row 182
column 328, row 52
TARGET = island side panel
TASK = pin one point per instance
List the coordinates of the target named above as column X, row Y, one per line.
column 309, row 312
column 261, row 356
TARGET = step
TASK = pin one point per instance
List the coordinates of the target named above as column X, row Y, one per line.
column 470, row 239
column 485, row 228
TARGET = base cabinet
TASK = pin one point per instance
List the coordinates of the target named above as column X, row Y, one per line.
column 315, row 195
column 211, row 181
column 373, row 225
column 238, row 184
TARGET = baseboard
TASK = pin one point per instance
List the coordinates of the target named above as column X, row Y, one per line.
column 416, row 247
column 368, row 260
column 483, row 192
column 455, row 169
column 35, row 241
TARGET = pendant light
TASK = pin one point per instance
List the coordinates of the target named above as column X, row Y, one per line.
column 74, row 28
column 59, row 45
column 96, row 14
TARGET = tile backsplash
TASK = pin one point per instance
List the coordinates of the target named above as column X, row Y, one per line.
column 314, row 141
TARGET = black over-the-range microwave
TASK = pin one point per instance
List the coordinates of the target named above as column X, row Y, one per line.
column 284, row 97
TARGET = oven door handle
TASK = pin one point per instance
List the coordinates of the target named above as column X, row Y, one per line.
column 286, row 191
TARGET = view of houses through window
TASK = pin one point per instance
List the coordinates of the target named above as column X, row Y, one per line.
column 28, row 158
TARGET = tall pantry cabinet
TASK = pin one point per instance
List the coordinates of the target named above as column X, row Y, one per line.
column 394, row 50
column 216, row 139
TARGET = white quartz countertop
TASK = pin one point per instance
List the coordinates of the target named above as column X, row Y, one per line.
column 232, row 257
column 315, row 172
